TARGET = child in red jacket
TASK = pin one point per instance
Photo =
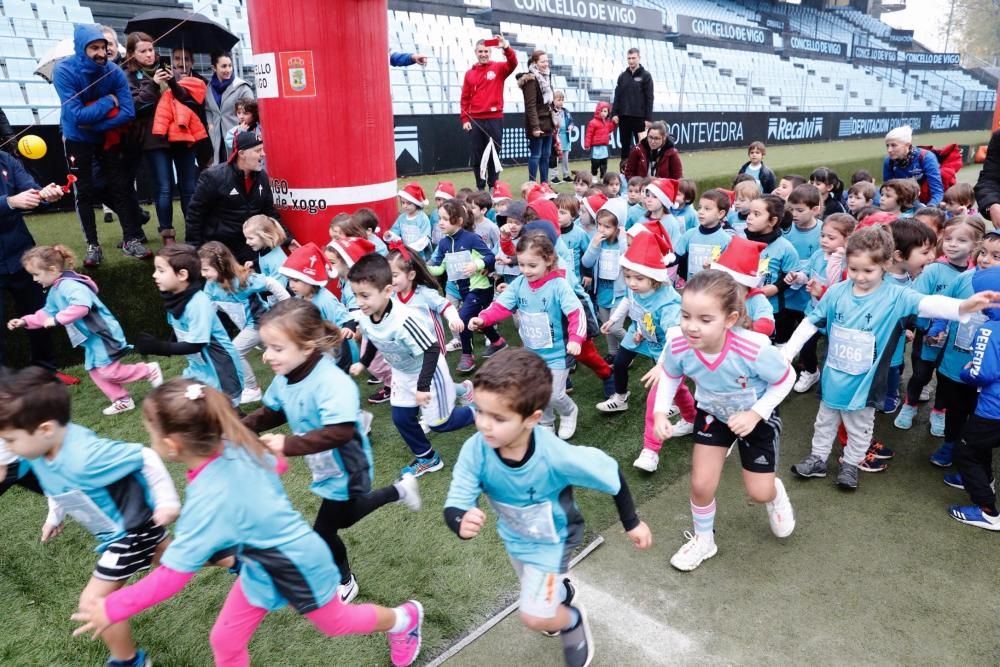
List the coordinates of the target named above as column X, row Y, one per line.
column 597, row 138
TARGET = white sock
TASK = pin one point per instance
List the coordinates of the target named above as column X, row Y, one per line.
column 402, row 620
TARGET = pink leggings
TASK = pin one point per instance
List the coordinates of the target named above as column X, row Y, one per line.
column 110, row 378
column 685, row 403
column 239, row 619
column 379, row 367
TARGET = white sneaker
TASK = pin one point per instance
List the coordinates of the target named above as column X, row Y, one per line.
column 119, row 406
column 453, row 345
column 251, row 395
column 681, row 428
column 673, row 411
column 692, row 554
column 155, row 374
column 366, row 421
column 409, row 492
column 779, row 512
column 617, row 403
column 806, row 381
column 925, row 393
column 648, row 460
column 348, row 591
column 567, row 424
column 469, row 396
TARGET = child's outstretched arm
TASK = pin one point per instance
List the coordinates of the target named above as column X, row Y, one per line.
column 161, row 584
column 149, row 344
column 166, row 504
column 799, row 337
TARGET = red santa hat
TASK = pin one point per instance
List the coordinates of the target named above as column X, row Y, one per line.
column 741, row 260
column 444, row 190
column 664, row 189
column 413, row 193
column 541, row 191
column 351, row 249
column 546, row 210
column 649, row 255
column 306, row 263
column 729, row 193
column 593, row 204
column 501, row 191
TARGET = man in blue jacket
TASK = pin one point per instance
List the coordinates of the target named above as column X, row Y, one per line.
column 904, row 160
column 95, row 98
column 19, row 192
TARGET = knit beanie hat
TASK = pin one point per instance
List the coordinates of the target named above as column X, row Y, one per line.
column 649, row 255
column 903, row 133
column 664, row 189
column 515, row 210
column 444, row 190
column 413, row 193
column 741, row 260
column 593, row 204
column 306, row 263
column 542, row 226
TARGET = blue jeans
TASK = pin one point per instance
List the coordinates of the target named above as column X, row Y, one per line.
column 538, row 158
column 161, row 164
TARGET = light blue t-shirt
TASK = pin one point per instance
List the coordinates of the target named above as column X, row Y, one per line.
column 217, row 364
column 899, row 353
column 687, row 215
column 957, row 348
column 271, row 262
column 577, row 240
column 652, row 315
column 758, row 307
column 242, row 305
column 237, row 503
column 330, row 307
column 608, row 275
column 806, row 243
column 636, row 214
column 538, row 519
column 415, row 231
column 98, row 332
column 936, row 278
column 700, row 247
column 737, row 222
column 540, row 315
column 777, row 259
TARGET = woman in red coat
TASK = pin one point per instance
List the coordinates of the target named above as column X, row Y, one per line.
column 655, row 155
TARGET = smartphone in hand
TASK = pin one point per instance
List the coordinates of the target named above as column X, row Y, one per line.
column 165, row 63
column 491, row 42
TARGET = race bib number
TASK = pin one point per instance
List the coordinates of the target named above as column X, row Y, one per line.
column 966, row 332
column 323, row 466
column 535, row 330
column 82, row 508
column 609, row 265
column 698, row 255
column 75, row 337
column 411, row 234
column 725, row 404
column 455, row 263
column 644, row 320
column 393, row 352
column 533, row 523
column 850, row 351
column 234, row 311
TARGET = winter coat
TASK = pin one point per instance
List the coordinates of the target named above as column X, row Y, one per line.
column 177, row 120
column 220, row 205
column 85, row 89
column 537, row 114
column 988, row 185
column 598, row 129
column 634, row 94
column 768, row 182
column 919, row 164
column 15, row 238
column 145, row 97
column 222, row 117
column 667, row 166
column 482, row 88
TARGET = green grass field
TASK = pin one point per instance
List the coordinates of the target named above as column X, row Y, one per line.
column 395, row 554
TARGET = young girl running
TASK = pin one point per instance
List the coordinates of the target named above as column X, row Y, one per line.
column 864, row 317
column 285, row 563
column 541, row 296
column 415, row 286
column 266, row 237
column 120, row 492
column 322, row 408
column 72, row 302
column 740, row 380
column 239, row 292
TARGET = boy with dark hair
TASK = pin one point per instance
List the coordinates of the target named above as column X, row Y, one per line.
column 479, row 205
column 421, row 383
column 756, row 168
column 861, row 194
column 899, row 195
column 804, row 203
column 528, row 474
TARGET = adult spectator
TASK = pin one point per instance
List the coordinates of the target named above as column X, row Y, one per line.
column 904, row 160
column 225, row 88
column 654, row 156
column 95, row 98
column 988, row 185
column 228, row 194
column 183, row 60
column 162, row 134
column 536, row 86
column 19, row 192
column 482, row 109
column 632, row 107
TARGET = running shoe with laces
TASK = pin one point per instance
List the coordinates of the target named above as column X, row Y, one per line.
column 616, row 403
column 682, row 427
column 954, row 480
column 135, row 248
column 925, row 393
column 347, row 592
column 904, row 420
column 881, row 451
column 973, row 515
column 94, row 256
column 404, row 647
column 937, row 423
column 466, row 364
column 847, row 477
column 155, row 374
column 577, row 642
column 942, row 455
column 140, row 659
column 567, row 423
column 119, row 406
column 454, row 345
column 422, row 466
column 779, row 512
column 810, row 466
column 493, row 348
column 806, row 381
column 251, row 395
column 380, row 396
column 648, row 460
column 409, row 492
column 693, row 553
column 869, row 464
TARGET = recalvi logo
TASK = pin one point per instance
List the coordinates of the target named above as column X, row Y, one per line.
column 945, row 122
column 782, row 129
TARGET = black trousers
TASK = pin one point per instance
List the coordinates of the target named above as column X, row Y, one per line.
column 28, row 298
column 785, row 323
column 922, row 373
column 598, row 166
column 973, row 457
column 483, row 130
column 118, row 193
column 29, row 481
column 335, row 515
column 960, row 400
column 629, row 128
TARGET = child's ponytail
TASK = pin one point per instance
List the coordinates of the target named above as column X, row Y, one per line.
column 58, row 256
column 232, row 274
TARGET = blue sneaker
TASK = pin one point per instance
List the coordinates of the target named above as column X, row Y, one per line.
column 942, row 455
column 421, row 466
column 904, row 419
column 973, row 515
column 609, row 386
column 890, row 405
column 954, row 480
column 937, row 423
column 140, row 660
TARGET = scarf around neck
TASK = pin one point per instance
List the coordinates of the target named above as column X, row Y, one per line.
column 543, row 83
column 219, row 87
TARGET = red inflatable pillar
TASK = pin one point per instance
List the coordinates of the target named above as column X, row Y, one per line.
column 322, row 77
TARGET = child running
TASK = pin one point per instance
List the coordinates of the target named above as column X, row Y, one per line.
column 740, row 380
column 864, row 318
column 120, row 492
column 528, row 475
column 237, row 291
column 73, row 303
column 603, row 257
column 322, row 407
column 541, row 297
column 266, row 237
column 284, row 562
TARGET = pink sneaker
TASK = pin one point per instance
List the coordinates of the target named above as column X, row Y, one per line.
column 405, row 646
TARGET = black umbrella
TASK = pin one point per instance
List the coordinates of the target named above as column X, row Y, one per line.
column 179, row 28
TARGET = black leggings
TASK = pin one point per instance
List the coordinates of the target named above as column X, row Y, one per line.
column 973, row 457
column 623, row 360
column 335, row 515
column 600, row 166
column 922, row 372
column 959, row 399
column 28, row 481
column 786, row 321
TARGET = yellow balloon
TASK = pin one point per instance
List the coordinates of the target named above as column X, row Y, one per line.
column 32, row 146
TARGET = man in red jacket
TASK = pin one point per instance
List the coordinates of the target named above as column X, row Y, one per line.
column 482, row 108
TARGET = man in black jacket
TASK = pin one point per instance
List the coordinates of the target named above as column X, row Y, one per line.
column 632, row 108
column 227, row 194
column 988, row 185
